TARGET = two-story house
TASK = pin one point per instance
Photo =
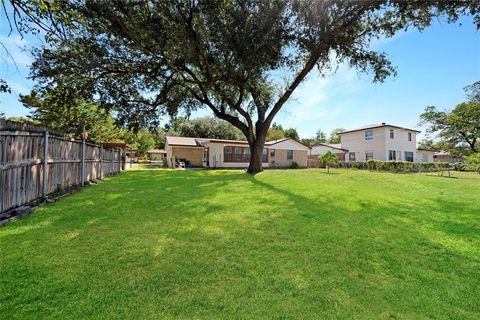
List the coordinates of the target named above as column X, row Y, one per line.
column 382, row 142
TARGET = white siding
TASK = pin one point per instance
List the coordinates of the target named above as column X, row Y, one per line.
column 424, row 156
column 381, row 143
column 215, row 156
column 355, row 142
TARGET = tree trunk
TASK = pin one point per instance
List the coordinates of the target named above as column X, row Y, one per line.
column 255, row 165
column 256, row 150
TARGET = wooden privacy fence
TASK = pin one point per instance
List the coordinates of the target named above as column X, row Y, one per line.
column 35, row 162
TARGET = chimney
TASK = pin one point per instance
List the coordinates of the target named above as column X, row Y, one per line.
column 383, row 123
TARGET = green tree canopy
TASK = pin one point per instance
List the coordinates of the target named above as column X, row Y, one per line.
column 208, row 127
column 147, row 59
column 334, row 135
column 458, row 129
column 51, row 109
column 292, row 133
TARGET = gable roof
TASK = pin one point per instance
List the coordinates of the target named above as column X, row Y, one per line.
column 377, row 125
column 337, row 146
column 273, row 142
column 182, row 141
column 198, row 142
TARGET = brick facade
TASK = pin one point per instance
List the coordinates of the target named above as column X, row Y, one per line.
column 280, row 159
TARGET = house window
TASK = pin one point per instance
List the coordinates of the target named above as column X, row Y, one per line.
column 264, row 155
column 368, row 155
column 238, row 154
column 228, row 154
column 351, row 156
column 246, row 154
column 392, row 155
column 368, row 134
column 289, row 154
column 408, row 156
column 409, row 136
column 272, row 152
column 392, row 134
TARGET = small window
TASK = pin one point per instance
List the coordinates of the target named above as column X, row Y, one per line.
column 289, row 154
column 368, row 156
column 272, row 152
column 351, row 156
column 409, row 136
column 408, row 156
column 392, row 155
column 228, row 154
column 264, row 155
column 368, row 134
column 392, row 134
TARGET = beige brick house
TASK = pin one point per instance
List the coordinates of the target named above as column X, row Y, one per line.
column 218, row 153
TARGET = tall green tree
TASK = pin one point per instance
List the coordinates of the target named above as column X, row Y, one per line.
column 292, row 133
column 320, row 136
column 458, row 129
column 69, row 113
column 144, row 58
column 208, row 127
column 334, row 135
column 141, row 140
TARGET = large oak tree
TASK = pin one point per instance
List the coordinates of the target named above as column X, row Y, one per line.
column 145, row 58
column 458, row 129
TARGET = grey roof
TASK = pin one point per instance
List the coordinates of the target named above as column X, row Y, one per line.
column 198, row 142
column 376, row 125
column 182, row 141
column 331, row 145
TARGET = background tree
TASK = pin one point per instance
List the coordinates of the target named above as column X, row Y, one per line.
column 208, row 127
column 140, row 140
column 458, row 129
column 328, row 159
column 292, row 133
column 320, row 136
column 473, row 162
column 276, row 132
column 429, row 144
column 334, row 135
column 142, row 60
column 69, row 113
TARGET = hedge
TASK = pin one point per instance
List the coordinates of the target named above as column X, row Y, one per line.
column 396, row 166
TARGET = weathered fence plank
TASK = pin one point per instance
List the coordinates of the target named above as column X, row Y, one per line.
column 36, row 161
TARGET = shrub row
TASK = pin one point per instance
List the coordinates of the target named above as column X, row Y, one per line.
column 395, row 166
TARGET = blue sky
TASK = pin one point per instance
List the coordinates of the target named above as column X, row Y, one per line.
column 433, row 67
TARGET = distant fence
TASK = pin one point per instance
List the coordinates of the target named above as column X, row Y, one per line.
column 36, row 161
column 313, row 162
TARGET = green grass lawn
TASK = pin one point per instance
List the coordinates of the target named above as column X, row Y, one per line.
column 284, row 244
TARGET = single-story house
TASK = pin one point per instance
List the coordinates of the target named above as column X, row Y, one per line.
column 219, row 153
column 424, row 155
column 443, row 156
column 321, row 148
column 156, row 154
